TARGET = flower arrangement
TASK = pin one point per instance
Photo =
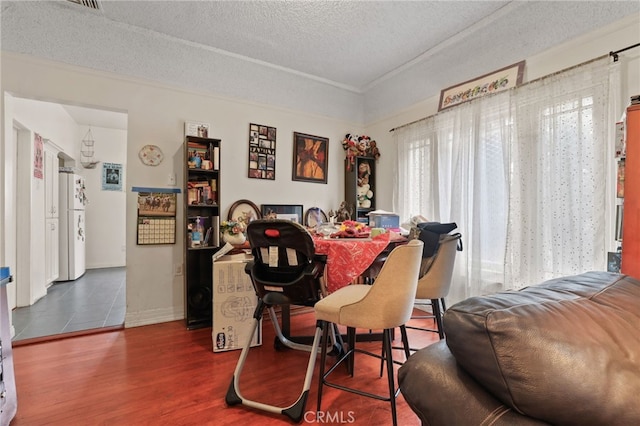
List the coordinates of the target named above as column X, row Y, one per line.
column 232, row 227
column 359, row 145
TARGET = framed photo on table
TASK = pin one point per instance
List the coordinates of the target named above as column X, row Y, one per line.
column 282, row 211
column 244, row 209
column 310, row 156
column 314, row 216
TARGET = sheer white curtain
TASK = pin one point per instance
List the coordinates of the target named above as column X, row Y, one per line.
column 560, row 157
column 523, row 175
column 454, row 168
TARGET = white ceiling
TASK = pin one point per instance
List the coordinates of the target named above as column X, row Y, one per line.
column 358, row 60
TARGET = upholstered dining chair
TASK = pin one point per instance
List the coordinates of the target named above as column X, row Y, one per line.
column 434, row 285
column 384, row 305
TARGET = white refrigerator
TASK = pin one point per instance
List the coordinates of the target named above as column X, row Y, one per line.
column 72, row 226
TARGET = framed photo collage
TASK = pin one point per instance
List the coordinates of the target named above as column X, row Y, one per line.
column 262, row 152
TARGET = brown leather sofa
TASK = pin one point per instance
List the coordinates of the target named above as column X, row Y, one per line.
column 563, row 352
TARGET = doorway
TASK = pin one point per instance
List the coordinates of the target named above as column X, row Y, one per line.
column 96, row 299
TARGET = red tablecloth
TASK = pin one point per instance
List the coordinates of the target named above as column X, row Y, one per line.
column 348, row 258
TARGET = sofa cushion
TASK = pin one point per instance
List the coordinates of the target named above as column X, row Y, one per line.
column 441, row 393
column 563, row 350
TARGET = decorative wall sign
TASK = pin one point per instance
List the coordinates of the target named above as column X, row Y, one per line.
column 310, row 156
column 262, row 152
column 111, row 177
column 497, row 81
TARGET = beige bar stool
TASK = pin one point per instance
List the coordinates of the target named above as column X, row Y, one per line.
column 386, row 304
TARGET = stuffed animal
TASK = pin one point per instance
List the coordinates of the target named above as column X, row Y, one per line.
column 364, row 171
column 359, row 146
column 364, row 194
column 344, row 212
column 373, row 148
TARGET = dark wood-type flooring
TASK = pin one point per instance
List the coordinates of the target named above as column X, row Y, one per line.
column 166, row 375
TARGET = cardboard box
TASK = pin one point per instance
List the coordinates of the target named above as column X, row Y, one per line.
column 384, row 220
column 234, row 301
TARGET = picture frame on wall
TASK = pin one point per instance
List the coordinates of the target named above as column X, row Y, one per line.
column 262, row 152
column 111, row 177
column 282, row 211
column 310, row 158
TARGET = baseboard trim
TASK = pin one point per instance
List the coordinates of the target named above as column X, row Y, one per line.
column 60, row 336
column 153, row 316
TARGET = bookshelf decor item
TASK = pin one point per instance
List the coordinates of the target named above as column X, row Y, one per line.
column 200, row 130
column 262, row 152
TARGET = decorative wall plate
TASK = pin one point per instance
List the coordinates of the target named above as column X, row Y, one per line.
column 151, row 155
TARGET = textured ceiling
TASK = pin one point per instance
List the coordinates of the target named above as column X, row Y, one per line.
column 356, row 60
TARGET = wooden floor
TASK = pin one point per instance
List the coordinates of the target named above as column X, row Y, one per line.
column 166, row 375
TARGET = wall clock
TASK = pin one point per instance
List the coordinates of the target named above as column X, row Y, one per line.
column 151, row 155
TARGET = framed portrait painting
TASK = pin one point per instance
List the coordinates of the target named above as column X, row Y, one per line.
column 310, row 156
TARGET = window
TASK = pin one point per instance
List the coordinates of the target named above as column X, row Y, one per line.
column 521, row 173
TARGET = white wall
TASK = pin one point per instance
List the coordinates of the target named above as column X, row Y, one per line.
column 49, row 120
column 156, row 116
column 106, row 212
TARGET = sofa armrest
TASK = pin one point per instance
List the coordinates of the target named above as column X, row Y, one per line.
column 441, row 393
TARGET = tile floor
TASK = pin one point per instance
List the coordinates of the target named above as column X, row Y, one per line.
column 95, row 300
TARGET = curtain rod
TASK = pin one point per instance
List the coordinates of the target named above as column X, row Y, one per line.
column 615, row 54
column 615, row 59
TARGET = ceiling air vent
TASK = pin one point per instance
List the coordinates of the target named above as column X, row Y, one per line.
column 91, row 4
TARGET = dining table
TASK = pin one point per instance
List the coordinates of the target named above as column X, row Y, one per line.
column 347, row 260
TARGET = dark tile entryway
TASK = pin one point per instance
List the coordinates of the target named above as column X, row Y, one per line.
column 95, row 300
